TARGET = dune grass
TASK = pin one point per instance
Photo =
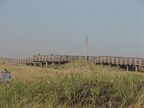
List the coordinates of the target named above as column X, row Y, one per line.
column 80, row 84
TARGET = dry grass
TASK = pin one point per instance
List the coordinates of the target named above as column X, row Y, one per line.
column 80, row 84
column 24, row 72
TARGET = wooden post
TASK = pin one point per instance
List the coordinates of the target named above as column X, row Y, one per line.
column 46, row 63
column 104, row 59
column 127, row 68
column 136, row 68
column 101, row 59
column 139, row 62
column 130, row 61
column 118, row 66
column 121, row 61
column 135, row 62
column 125, row 61
column 112, row 60
column 117, row 61
column 108, row 60
column 38, row 57
column 41, row 64
column 53, row 63
column 110, row 65
column 34, row 64
column 86, row 48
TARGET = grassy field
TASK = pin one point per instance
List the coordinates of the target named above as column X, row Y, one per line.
column 80, row 84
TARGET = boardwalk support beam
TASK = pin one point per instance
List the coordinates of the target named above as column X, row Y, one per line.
column 136, row 68
column 127, row 68
column 46, row 63
column 53, row 63
column 118, row 66
column 110, row 65
column 34, row 64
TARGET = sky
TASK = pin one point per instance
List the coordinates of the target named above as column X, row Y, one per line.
column 113, row 27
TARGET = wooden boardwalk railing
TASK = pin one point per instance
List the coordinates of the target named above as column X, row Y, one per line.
column 97, row 59
column 57, row 58
column 120, row 60
column 45, row 59
column 26, row 61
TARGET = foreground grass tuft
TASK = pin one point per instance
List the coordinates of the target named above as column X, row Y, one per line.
column 74, row 90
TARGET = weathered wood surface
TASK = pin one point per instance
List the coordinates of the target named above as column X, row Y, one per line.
column 17, row 61
column 120, row 60
column 57, row 58
column 69, row 58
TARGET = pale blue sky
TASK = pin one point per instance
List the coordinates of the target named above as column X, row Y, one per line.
column 113, row 27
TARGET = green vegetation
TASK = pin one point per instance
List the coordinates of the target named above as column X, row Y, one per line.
column 141, row 69
column 80, row 84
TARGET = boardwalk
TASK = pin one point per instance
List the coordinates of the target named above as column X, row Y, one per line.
column 59, row 59
column 95, row 59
